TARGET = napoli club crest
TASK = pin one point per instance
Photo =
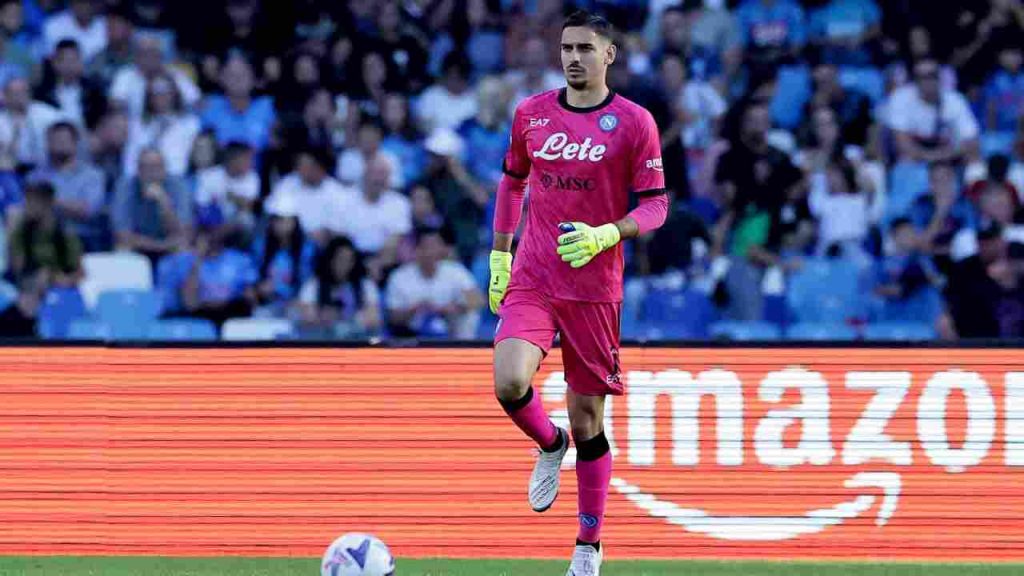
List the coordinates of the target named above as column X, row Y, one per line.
column 608, row 122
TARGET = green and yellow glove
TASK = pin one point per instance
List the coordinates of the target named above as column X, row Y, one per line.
column 501, row 270
column 579, row 243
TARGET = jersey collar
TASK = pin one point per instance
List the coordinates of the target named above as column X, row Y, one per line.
column 563, row 101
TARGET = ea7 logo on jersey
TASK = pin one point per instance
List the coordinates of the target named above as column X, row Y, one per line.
column 558, row 146
column 539, row 122
column 655, row 164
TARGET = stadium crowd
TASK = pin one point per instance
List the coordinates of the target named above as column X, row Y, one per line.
column 834, row 165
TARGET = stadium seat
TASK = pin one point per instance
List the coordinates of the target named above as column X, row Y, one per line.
column 182, row 329
column 114, row 271
column 826, row 290
column 820, row 332
column 907, row 181
column 8, row 293
column 257, row 329
column 128, row 312
column 744, row 331
column 88, row 329
column 60, row 307
column 680, row 312
column 909, row 331
column 925, row 305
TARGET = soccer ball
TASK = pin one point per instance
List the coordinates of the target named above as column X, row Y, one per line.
column 357, row 555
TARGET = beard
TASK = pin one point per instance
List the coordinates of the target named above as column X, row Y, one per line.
column 577, row 84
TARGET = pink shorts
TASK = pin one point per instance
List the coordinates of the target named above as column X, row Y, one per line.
column 589, row 334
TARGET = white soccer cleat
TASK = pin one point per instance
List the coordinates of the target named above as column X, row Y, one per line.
column 585, row 561
column 544, row 480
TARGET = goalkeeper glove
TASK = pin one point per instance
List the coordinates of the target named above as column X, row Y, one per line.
column 501, row 270
column 579, row 242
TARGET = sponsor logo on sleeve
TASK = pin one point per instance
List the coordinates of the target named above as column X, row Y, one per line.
column 655, row 164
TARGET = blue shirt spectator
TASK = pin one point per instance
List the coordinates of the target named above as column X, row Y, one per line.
column 772, row 25
column 842, row 27
column 236, row 116
column 401, row 138
column 225, row 276
column 151, row 213
column 940, row 214
column 1004, row 92
column 284, row 254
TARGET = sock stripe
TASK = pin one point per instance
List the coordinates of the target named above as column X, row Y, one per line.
column 513, row 406
column 592, row 449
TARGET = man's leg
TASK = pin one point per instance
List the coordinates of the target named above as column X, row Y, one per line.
column 526, row 330
column 593, row 464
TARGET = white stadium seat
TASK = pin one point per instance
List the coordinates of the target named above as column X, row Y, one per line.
column 256, row 329
column 114, row 271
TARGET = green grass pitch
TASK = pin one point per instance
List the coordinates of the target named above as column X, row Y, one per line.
column 150, row 566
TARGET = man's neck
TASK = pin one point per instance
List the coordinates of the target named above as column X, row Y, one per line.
column 588, row 97
column 240, row 103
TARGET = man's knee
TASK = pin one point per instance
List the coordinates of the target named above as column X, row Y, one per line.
column 511, row 386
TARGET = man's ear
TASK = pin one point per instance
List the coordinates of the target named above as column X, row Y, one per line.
column 610, row 53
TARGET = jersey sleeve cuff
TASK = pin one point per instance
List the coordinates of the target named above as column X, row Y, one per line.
column 507, row 172
column 651, row 192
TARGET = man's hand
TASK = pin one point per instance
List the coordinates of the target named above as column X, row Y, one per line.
column 579, row 242
column 501, row 270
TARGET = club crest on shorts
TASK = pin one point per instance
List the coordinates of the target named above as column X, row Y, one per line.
column 608, row 122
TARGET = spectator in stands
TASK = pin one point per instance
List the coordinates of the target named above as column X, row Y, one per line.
column 755, row 181
column 164, row 125
column 376, row 80
column 942, row 212
column 486, row 136
column 128, row 88
column 226, row 194
column 846, row 208
column 984, row 295
column 245, row 27
column 1004, row 91
column 284, row 256
column 238, row 115
column 852, row 108
column 18, row 320
column 152, row 211
column 450, row 102
column 317, row 127
column 321, row 199
column 81, row 189
column 485, row 45
column 376, row 218
column 118, row 52
column 433, row 296
column 108, row 144
column 40, row 245
column 773, row 32
column 81, row 22
column 459, row 197
column 846, row 31
column 302, row 78
column 904, row 272
column 534, row 74
column 65, row 87
column 23, row 126
column 696, row 107
column 408, row 57
column 995, row 26
column 17, row 46
column 680, row 245
column 401, row 137
column 931, row 124
column 995, row 175
column 341, row 298
column 222, row 281
column 353, row 161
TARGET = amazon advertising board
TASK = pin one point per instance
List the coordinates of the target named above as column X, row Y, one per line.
column 719, row 453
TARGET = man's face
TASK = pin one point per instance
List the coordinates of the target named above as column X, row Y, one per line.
column 119, row 30
column 535, row 56
column 756, row 123
column 12, row 17
column 826, row 77
column 60, row 146
column 585, row 57
column 310, row 171
column 236, row 78
column 377, row 178
column 149, row 56
column 151, row 167
column 16, row 95
column 430, row 250
column 67, row 64
column 239, row 164
column 926, row 76
column 84, row 10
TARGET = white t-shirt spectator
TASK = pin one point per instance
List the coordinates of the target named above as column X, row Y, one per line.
column 841, row 217
column 172, row 135
column 438, row 108
column 905, row 111
column 129, row 87
column 91, row 39
column 352, row 164
column 408, row 287
column 706, row 105
column 516, row 80
column 23, row 138
column 317, row 205
column 215, row 186
column 370, row 226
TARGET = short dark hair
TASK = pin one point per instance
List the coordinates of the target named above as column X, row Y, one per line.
column 899, row 223
column 41, row 189
column 584, row 19
column 68, row 44
column 63, row 125
column 443, row 230
column 236, row 148
column 322, row 155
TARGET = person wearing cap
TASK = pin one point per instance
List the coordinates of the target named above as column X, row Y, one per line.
column 320, row 198
column 283, row 254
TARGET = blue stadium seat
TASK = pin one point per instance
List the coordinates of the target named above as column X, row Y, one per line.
column 182, row 329
column 88, row 329
column 128, row 312
column 60, row 307
column 907, row 181
column 908, row 331
column 820, row 331
column 744, row 331
column 826, row 290
column 925, row 305
column 678, row 312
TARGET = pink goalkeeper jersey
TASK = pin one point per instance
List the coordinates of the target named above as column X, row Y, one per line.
column 582, row 164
